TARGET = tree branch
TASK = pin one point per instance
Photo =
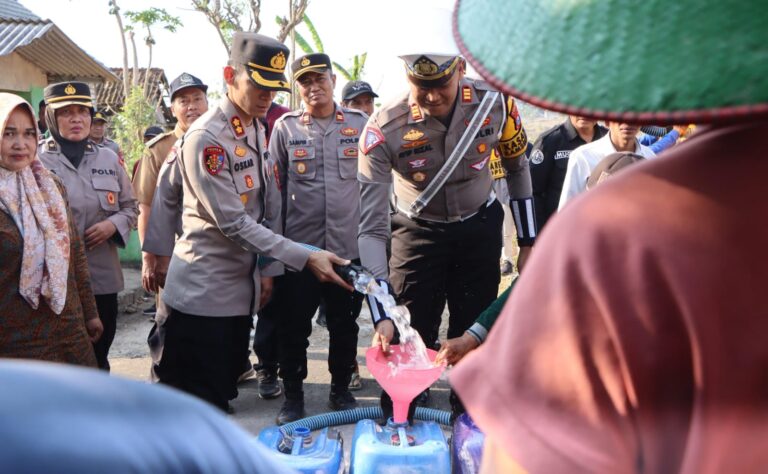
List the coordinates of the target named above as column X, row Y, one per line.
column 286, row 25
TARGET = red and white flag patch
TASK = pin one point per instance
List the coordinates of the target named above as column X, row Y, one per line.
column 480, row 164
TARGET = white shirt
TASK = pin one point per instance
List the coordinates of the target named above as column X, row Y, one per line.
column 584, row 159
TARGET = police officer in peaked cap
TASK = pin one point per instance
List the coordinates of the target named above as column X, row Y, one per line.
column 445, row 247
column 215, row 281
column 315, row 150
column 99, row 193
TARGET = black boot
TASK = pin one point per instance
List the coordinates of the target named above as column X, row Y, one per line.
column 293, row 406
column 269, row 387
column 341, row 398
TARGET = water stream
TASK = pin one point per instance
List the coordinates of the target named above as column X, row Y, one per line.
column 410, row 341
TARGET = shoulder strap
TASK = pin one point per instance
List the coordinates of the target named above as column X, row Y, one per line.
column 450, row 164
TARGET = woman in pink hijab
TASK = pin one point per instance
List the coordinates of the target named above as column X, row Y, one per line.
column 47, row 310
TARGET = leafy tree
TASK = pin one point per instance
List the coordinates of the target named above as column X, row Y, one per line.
column 137, row 114
column 229, row 16
column 353, row 73
column 148, row 19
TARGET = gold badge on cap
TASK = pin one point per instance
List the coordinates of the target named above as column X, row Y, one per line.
column 278, row 61
column 425, row 67
column 305, row 62
column 70, row 89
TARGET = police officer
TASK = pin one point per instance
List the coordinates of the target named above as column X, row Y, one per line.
column 316, row 154
column 99, row 194
column 214, row 284
column 99, row 130
column 447, row 249
column 188, row 102
column 549, row 161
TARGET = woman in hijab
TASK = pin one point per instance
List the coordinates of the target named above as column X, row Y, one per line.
column 46, row 304
column 100, row 196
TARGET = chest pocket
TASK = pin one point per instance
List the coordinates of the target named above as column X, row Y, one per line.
column 347, row 161
column 108, row 191
column 302, row 163
column 245, row 173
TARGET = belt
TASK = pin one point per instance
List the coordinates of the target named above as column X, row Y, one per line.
column 450, row 219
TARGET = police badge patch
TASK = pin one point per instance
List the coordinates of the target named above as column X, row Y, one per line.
column 537, row 157
column 213, row 159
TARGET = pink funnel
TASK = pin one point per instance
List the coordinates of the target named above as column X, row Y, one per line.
column 405, row 384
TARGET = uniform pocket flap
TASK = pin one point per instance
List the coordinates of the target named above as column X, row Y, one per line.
column 104, row 183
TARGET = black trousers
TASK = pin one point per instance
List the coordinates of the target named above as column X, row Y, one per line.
column 458, row 262
column 203, row 355
column 295, row 299
column 265, row 341
column 106, row 305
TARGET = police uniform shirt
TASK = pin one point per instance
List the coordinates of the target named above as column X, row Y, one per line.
column 549, row 161
column 164, row 223
column 145, row 181
column 112, row 145
column 317, row 166
column 401, row 141
column 98, row 189
column 213, row 269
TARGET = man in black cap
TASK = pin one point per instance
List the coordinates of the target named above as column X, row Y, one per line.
column 214, row 283
column 315, row 150
column 98, row 134
column 188, row 102
column 358, row 95
column 152, row 132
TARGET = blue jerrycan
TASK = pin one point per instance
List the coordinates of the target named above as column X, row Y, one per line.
column 395, row 448
column 322, row 455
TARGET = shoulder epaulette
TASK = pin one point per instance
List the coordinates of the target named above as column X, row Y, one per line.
column 482, row 85
column 392, row 110
column 157, row 139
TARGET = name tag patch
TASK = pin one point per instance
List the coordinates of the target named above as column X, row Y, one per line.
column 562, row 154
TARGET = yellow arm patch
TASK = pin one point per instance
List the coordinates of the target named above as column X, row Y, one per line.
column 513, row 141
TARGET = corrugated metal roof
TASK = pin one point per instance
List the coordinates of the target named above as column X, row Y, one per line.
column 43, row 44
column 11, row 9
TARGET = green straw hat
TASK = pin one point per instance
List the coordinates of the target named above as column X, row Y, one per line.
column 650, row 61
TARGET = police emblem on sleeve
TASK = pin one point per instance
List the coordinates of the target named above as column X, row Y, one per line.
column 373, row 138
column 537, row 157
column 213, row 159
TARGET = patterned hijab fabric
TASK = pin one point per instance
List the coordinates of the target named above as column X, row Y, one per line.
column 30, row 196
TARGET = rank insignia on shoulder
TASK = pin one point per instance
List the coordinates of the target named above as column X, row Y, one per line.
column 413, row 134
column 237, row 126
column 416, row 114
column 213, row 159
column 373, row 138
column 466, row 94
column 240, row 151
column 305, row 118
column 248, row 181
column 339, row 116
column 349, row 131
